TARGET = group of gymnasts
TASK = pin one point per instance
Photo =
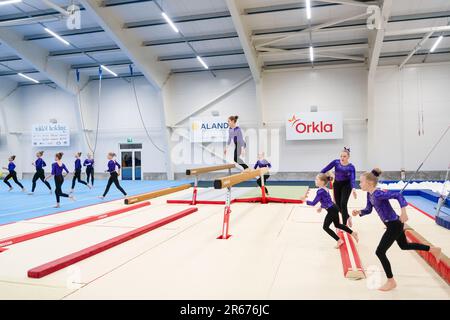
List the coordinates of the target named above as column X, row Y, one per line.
column 59, row 172
column 343, row 187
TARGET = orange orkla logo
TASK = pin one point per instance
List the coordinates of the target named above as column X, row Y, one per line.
column 313, row 127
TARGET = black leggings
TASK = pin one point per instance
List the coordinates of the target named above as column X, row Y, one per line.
column 333, row 217
column 342, row 191
column 39, row 175
column 13, row 175
column 77, row 176
column 114, row 179
column 237, row 158
column 395, row 232
column 59, row 180
column 266, row 176
column 90, row 175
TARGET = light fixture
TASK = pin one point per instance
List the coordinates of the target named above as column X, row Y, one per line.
column 109, row 70
column 311, row 53
column 202, row 62
column 57, row 36
column 170, row 22
column 308, row 9
column 435, row 45
column 27, row 77
column 9, row 2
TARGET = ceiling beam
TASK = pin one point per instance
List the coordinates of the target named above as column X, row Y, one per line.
column 10, row 59
column 222, row 53
column 364, row 4
column 416, row 48
column 376, row 38
column 64, row 33
column 180, row 19
column 404, row 32
column 145, row 60
column 244, row 34
column 114, row 3
column 56, row 71
column 198, row 38
column 14, row 73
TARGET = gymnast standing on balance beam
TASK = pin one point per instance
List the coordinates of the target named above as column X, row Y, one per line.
column 235, row 135
column 344, row 183
column 89, row 164
column 114, row 175
column 379, row 200
column 323, row 196
column 58, row 168
column 12, row 174
column 39, row 164
column 77, row 173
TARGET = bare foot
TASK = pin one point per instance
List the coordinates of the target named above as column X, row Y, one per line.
column 349, row 222
column 339, row 243
column 24, row 190
column 389, row 285
column 10, row 189
column 101, row 197
column 71, row 191
column 355, row 236
column 57, row 206
column 31, row 193
column 72, row 198
column 51, row 192
column 89, row 186
column 436, row 252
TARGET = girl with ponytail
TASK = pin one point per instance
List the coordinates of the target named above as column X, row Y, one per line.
column 379, row 199
column 323, row 196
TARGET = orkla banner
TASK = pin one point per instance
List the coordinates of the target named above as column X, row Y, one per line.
column 314, row 126
column 208, row 129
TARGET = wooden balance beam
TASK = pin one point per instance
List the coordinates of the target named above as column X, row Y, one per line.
column 228, row 182
column 155, row 194
column 196, row 172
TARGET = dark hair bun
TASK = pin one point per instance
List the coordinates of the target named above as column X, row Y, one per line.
column 376, row 172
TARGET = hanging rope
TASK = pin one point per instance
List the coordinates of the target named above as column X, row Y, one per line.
column 139, row 110
column 80, row 107
column 99, row 99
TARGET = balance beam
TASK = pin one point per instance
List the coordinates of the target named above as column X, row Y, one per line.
column 196, row 171
column 155, row 194
column 351, row 262
column 442, row 267
column 72, row 224
column 61, row 263
column 227, row 182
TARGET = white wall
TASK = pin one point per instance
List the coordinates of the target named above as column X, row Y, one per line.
column 119, row 119
column 398, row 98
column 330, row 89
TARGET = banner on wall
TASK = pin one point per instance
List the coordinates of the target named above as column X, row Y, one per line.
column 50, row 135
column 314, row 126
column 208, row 129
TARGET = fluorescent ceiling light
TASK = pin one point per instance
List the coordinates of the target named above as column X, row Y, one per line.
column 28, row 78
column 202, row 62
column 57, row 36
column 308, row 9
column 9, row 2
column 170, row 22
column 109, row 70
column 435, row 45
column 311, row 53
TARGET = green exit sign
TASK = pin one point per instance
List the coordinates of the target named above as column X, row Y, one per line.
column 130, row 140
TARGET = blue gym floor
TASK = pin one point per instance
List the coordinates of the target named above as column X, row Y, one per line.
column 17, row 206
column 426, row 205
